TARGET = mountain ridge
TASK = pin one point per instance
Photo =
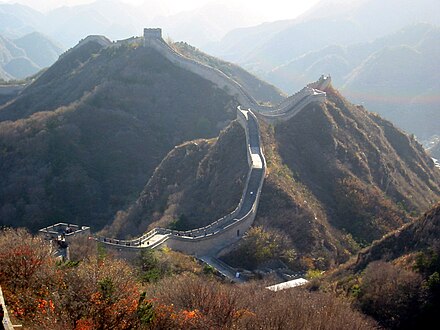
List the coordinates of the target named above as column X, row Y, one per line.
column 27, row 55
column 133, row 99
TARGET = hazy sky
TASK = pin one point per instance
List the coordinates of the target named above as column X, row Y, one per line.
column 267, row 9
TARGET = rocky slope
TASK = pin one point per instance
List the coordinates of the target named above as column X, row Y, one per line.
column 81, row 141
column 396, row 279
column 195, row 184
column 421, row 235
column 367, row 175
column 95, row 125
column 338, row 178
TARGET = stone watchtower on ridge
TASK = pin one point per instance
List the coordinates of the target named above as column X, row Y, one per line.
column 150, row 34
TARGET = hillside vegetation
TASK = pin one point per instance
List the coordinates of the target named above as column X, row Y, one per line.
column 196, row 183
column 338, row 178
column 90, row 131
column 259, row 89
column 336, row 166
column 396, row 279
column 160, row 290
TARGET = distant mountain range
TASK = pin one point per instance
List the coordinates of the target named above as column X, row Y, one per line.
column 394, row 75
column 383, row 54
column 378, row 52
column 340, row 22
column 119, row 20
column 25, row 56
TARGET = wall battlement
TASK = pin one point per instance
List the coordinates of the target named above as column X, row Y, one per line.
column 271, row 114
column 152, row 34
column 220, row 234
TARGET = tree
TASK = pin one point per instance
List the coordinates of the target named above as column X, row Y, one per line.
column 390, row 294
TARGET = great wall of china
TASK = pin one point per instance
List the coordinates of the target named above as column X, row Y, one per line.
column 209, row 241
column 271, row 114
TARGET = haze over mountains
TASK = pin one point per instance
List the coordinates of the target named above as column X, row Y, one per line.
column 383, row 54
column 119, row 20
column 329, row 22
column 25, row 56
column 394, row 75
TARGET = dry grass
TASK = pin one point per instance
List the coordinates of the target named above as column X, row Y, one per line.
column 251, row 306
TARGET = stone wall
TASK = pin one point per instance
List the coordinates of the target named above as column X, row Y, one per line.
column 215, row 76
column 211, row 239
column 283, row 111
column 222, row 233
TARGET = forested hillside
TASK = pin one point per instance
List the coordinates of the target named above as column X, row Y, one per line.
column 86, row 136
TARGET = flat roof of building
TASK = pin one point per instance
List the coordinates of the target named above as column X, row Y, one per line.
column 288, row 284
column 63, row 228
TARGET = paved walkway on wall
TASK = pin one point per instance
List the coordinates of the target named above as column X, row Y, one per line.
column 250, row 197
column 153, row 240
column 245, row 211
column 226, row 270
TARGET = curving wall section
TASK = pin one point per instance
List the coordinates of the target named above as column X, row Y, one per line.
column 211, row 239
column 272, row 114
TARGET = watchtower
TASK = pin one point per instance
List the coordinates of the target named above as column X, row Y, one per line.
column 150, row 34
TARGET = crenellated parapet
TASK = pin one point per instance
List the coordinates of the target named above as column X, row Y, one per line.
column 151, row 34
column 322, row 83
column 103, row 41
column 313, row 93
column 223, row 232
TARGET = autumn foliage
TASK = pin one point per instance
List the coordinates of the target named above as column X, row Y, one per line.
column 100, row 292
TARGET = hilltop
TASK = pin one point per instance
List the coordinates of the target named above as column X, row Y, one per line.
column 339, row 178
column 96, row 124
column 197, row 183
column 81, row 141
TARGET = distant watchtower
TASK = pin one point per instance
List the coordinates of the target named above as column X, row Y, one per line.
column 150, row 34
